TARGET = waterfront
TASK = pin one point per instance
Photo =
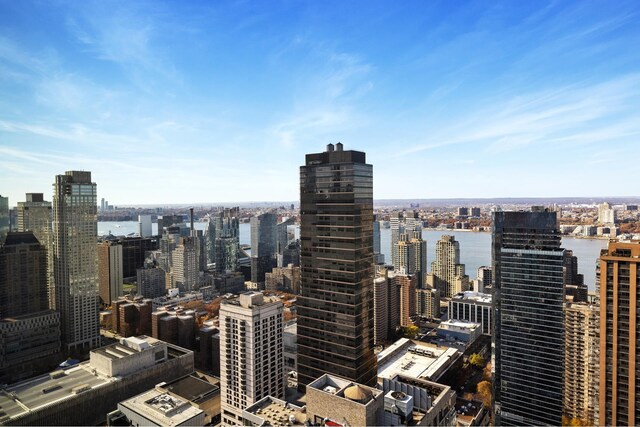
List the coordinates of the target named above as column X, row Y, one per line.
column 475, row 247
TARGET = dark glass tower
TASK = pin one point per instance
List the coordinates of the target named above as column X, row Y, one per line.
column 528, row 329
column 264, row 236
column 335, row 310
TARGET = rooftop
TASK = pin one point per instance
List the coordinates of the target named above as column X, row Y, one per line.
column 416, row 360
column 191, row 388
column 161, row 408
column 46, row 389
column 459, row 325
column 275, row 412
column 472, row 296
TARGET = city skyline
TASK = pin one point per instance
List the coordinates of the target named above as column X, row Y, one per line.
column 180, row 97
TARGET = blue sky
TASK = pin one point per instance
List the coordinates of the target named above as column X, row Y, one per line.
column 181, row 102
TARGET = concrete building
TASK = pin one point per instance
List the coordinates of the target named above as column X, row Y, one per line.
column 412, row 257
column 283, row 279
column 386, row 295
column 448, row 274
column 175, row 326
column 409, row 401
column 230, row 283
column 475, row 212
column 290, row 346
column 184, row 269
column 144, row 226
column 35, row 215
column 157, row 407
column 251, row 353
column 470, row 413
column 417, row 360
column 151, row 280
column 473, row 307
column 428, row 303
column 335, row 308
column 619, row 286
column 606, row 214
column 76, row 260
column 132, row 316
column 29, row 331
column 110, row 272
column 333, row 400
column 528, row 335
column 485, row 275
column 463, row 212
column 459, row 330
column 84, row 393
column 270, row 411
column 580, row 395
column 407, row 291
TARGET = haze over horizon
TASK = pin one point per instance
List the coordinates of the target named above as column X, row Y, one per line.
column 193, row 100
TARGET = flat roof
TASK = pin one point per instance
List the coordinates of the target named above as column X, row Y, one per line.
column 161, row 407
column 459, row 324
column 191, row 388
column 276, row 412
column 415, row 359
column 471, row 296
column 28, row 395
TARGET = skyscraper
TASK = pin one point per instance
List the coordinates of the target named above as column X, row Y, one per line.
column 377, row 254
column 227, row 239
column 412, row 256
column 263, row 245
column 448, row 274
column 335, row 309
column 581, row 362
column 75, row 232
column 251, row 353
column 528, row 318
column 110, row 274
column 619, row 394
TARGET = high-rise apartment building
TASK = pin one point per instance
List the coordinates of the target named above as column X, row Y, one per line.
column 619, row 393
column 448, row 274
column 264, row 238
column 386, row 308
column 407, row 290
column 485, row 277
column 412, row 256
column 528, row 318
column 606, row 214
column 251, row 353
column 144, row 226
column 35, row 215
column 282, row 240
column 335, row 309
column 75, row 231
column 111, row 280
column 580, row 397
column 475, row 212
column 184, row 268
column 378, row 256
column 397, row 228
column 428, row 303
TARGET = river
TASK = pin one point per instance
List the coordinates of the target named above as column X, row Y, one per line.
column 475, row 248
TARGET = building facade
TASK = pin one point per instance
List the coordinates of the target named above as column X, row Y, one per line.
column 264, row 239
column 412, row 256
column 75, row 231
column 251, row 353
column 428, row 303
column 335, row 309
column 581, row 362
column 528, row 335
column 474, row 307
column 4, row 217
column 110, row 272
column 619, row 391
column 227, row 244
column 448, row 274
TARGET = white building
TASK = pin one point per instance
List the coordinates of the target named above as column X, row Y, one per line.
column 75, row 232
column 459, row 330
column 474, row 307
column 144, row 225
column 251, row 353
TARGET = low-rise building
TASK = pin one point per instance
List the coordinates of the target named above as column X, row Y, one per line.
column 471, row 413
column 459, row 330
column 473, row 307
column 82, row 394
column 270, row 411
column 416, row 359
column 332, row 400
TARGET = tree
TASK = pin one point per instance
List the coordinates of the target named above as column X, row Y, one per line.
column 485, row 393
column 476, row 360
column 410, row 332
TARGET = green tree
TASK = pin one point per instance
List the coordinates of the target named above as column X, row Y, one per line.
column 476, row 360
column 410, row 332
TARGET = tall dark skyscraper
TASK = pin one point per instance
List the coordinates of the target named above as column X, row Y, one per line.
column 335, row 309
column 528, row 318
column 263, row 245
